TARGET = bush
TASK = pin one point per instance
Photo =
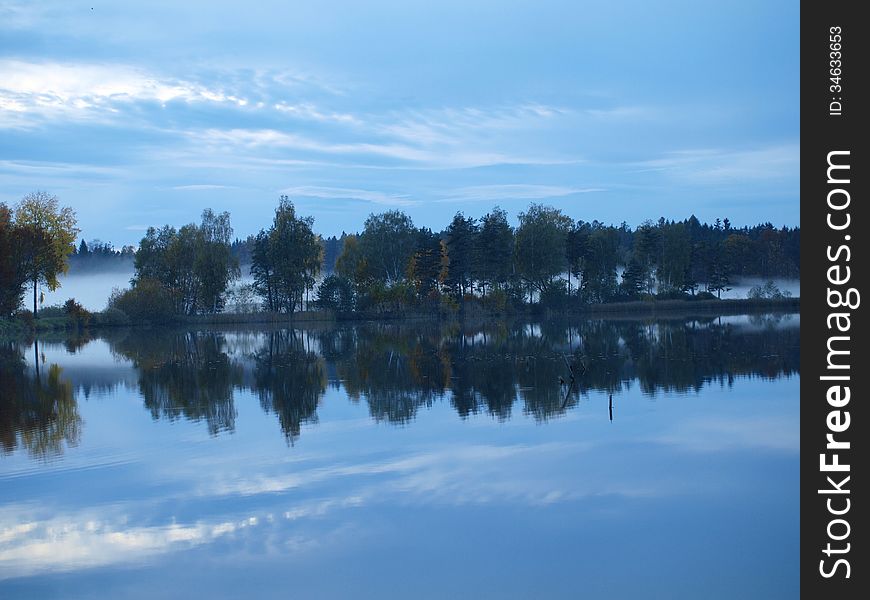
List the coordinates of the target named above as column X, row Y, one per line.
column 146, row 302
column 768, row 291
column 336, row 293
column 53, row 311
column 672, row 295
column 78, row 313
column 705, row 296
column 25, row 316
column 112, row 317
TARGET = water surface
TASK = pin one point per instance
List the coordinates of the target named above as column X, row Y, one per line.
column 404, row 461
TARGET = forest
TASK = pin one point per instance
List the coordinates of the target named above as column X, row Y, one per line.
column 549, row 260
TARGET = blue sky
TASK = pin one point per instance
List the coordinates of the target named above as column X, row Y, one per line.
column 142, row 114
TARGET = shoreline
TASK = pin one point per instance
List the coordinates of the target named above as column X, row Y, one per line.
column 639, row 309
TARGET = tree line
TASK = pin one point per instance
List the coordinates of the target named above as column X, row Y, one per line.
column 549, row 259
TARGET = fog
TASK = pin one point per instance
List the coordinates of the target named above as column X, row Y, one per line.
column 92, row 289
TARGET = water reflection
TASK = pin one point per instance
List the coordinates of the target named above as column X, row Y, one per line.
column 546, row 368
column 185, row 374
column 289, row 380
column 38, row 411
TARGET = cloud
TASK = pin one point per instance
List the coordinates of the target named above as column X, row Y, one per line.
column 201, row 186
column 516, row 191
column 715, row 166
column 93, row 90
column 374, row 197
column 721, row 433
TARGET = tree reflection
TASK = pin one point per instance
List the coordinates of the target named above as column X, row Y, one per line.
column 38, row 412
column 289, row 380
column 397, row 370
column 185, row 374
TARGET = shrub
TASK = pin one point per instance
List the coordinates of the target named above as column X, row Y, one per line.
column 146, row 302
column 112, row 317
column 672, row 295
column 48, row 312
column 26, row 317
column 705, row 296
column 768, row 291
column 336, row 293
column 78, row 313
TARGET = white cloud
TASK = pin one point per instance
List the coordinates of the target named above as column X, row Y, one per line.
column 201, row 186
column 516, row 191
column 374, row 197
column 711, row 166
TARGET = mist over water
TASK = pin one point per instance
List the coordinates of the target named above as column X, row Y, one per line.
column 91, row 289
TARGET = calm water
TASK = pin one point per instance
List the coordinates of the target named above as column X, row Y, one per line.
column 411, row 462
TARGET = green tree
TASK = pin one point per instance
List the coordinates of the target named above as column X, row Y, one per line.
column 718, row 274
column 352, row 264
column 336, row 293
column 194, row 264
column 460, row 237
column 215, row 266
column 541, row 241
column 47, row 238
column 647, row 254
column 286, row 259
column 387, row 243
column 494, row 250
column 598, row 267
column 425, row 269
column 13, row 277
column 674, row 268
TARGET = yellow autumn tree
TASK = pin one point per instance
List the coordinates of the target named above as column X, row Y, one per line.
column 47, row 234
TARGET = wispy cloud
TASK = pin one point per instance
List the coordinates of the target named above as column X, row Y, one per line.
column 375, row 197
column 515, row 191
column 52, row 88
column 201, row 186
column 713, row 165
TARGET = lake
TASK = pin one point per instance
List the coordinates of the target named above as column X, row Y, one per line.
column 405, row 461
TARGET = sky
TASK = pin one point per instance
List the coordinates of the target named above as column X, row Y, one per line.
column 145, row 113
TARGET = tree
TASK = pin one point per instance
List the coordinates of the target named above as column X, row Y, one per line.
column 352, row 264
column 263, row 270
column 674, row 268
column 598, row 267
column 425, row 269
column 13, row 278
column 194, row 264
column 286, row 259
column 215, row 266
column 336, row 293
column 540, row 245
column 494, row 249
column 460, row 237
column 719, row 276
column 647, row 253
column 47, row 237
column 387, row 243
